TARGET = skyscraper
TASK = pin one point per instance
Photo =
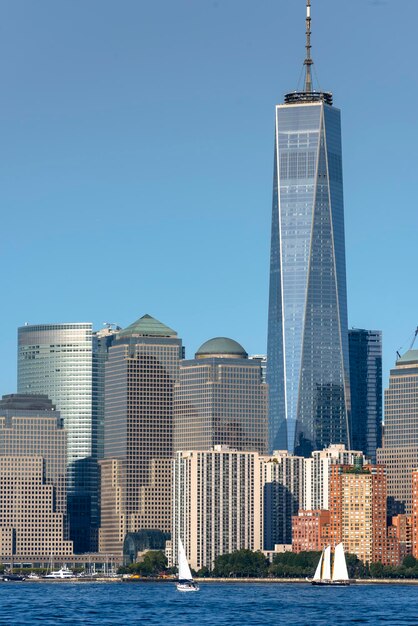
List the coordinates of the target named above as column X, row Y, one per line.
column 307, row 365
column 56, row 360
column 220, row 399
column 365, row 348
column 136, row 470
column 358, row 511
column 217, row 504
column 400, row 443
column 32, row 479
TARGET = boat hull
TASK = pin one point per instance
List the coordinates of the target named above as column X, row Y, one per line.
column 184, row 587
column 330, row 583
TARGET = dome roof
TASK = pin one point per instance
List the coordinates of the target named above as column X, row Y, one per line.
column 221, row 347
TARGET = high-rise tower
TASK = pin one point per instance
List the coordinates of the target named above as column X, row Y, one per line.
column 307, row 366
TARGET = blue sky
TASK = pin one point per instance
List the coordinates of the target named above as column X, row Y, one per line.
column 137, row 156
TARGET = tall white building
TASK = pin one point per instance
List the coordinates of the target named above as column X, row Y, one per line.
column 218, row 503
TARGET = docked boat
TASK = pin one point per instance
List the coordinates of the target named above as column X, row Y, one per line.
column 185, row 578
column 12, row 578
column 64, row 572
column 339, row 575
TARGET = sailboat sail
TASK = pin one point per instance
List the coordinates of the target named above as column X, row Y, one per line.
column 326, row 574
column 184, row 569
column 340, row 566
column 317, row 575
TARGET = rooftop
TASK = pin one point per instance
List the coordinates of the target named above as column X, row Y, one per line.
column 410, row 357
column 147, row 326
column 221, row 347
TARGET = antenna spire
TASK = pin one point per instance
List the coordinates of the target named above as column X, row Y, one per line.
column 308, row 61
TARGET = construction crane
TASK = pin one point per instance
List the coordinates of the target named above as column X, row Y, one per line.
column 398, row 354
column 414, row 338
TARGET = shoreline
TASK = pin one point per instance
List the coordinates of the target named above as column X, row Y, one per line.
column 275, row 581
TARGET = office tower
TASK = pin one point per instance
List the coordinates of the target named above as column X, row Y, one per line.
column 102, row 340
column 318, row 470
column 56, row 360
column 30, row 525
column 399, row 453
column 217, row 504
column 414, row 531
column 283, row 479
column 358, row 511
column 136, row 472
column 262, row 358
column 307, row 364
column 220, row 399
column 32, row 478
column 365, row 349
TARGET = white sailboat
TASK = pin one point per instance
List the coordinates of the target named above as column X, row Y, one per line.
column 339, row 575
column 185, row 578
column 339, row 571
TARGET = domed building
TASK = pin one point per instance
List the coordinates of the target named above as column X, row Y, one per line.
column 221, row 348
column 220, row 399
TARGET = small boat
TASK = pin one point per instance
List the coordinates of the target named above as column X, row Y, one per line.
column 185, row 578
column 339, row 575
column 64, row 572
column 12, row 577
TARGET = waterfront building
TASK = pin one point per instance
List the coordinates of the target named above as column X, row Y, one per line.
column 217, row 503
column 318, row 471
column 307, row 364
column 283, row 495
column 32, row 478
column 400, row 534
column 56, row 360
column 309, row 531
column 358, row 511
column 30, row 425
column 136, row 471
column 29, row 523
column 399, row 453
column 220, row 399
column 365, row 349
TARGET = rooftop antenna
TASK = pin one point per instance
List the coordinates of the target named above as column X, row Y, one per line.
column 308, row 60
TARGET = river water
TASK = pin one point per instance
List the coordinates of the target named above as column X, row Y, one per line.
column 217, row 604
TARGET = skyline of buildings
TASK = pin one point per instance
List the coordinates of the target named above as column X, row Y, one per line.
column 190, row 447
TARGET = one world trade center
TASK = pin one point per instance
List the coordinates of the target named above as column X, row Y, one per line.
column 307, row 367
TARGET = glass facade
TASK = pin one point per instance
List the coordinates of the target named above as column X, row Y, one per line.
column 56, row 360
column 307, row 365
column 366, row 390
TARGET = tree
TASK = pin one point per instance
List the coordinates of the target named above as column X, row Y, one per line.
column 154, row 562
column 377, row 570
column 409, row 561
column 241, row 564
